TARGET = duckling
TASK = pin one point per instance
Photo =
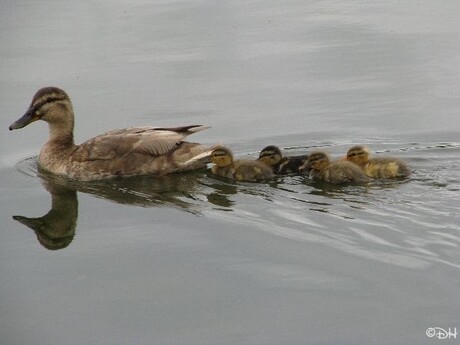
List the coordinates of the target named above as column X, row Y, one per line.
column 241, row 169
column 336, row 172
column 120, row 152
column 272, row 157
column 381, row 167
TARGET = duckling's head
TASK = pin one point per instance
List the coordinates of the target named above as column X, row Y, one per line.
column 222, row 157
column 318, row 160
column 358, row 154
column 270, row 155
column 49, row 104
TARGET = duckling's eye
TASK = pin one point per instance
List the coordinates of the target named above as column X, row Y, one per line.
column 352, row 154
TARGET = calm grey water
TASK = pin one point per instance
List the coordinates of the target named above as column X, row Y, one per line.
column 189, row 259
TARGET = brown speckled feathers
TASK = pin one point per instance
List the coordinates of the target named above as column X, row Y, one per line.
column 119, row 152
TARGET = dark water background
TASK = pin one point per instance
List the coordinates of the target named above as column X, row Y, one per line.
column 188, row 259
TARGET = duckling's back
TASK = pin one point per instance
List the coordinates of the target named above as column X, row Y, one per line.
column 343, row 172
column 226, row 171
column 251, row 171
column 386, row 167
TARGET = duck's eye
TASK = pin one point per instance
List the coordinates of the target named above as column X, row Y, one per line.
column 352, row 154
column 48, row 100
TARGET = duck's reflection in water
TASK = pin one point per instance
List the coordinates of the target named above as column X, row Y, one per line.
column 56, row 229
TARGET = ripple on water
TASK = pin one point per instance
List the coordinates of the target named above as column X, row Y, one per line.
column 28, row 166
column 409, row 223
column 396, row 222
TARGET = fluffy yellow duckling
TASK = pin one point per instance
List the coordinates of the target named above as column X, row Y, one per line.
column 241, row 169
column 336, row 172
column 272, row 157
column 381, row 167
column 121, row 152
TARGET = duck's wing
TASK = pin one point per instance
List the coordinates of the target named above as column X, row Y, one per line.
column 141, row 140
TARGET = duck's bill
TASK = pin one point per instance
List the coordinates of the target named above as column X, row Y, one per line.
column 26, row 119
column 30, row 222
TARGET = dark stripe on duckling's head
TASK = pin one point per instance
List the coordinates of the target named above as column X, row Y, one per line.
column 357, row 150
column 221, row 151
column 316, row 159
column 222, row 157
column 358, row 154
column 270, row 151
column 317, row 155
column 270, row 155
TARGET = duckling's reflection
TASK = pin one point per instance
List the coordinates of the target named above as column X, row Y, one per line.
column 56, row 229
column 222, row 188
column 220, row 195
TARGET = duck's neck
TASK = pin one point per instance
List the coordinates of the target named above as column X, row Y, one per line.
column 61, row 132
column 56, row 152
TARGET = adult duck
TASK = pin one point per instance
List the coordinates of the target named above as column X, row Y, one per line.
column 120, row 152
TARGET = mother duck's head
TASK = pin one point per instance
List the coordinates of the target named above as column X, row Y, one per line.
column 49, row 104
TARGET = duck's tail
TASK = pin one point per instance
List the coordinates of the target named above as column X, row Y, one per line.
column 184, row 129
column 203, row 157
